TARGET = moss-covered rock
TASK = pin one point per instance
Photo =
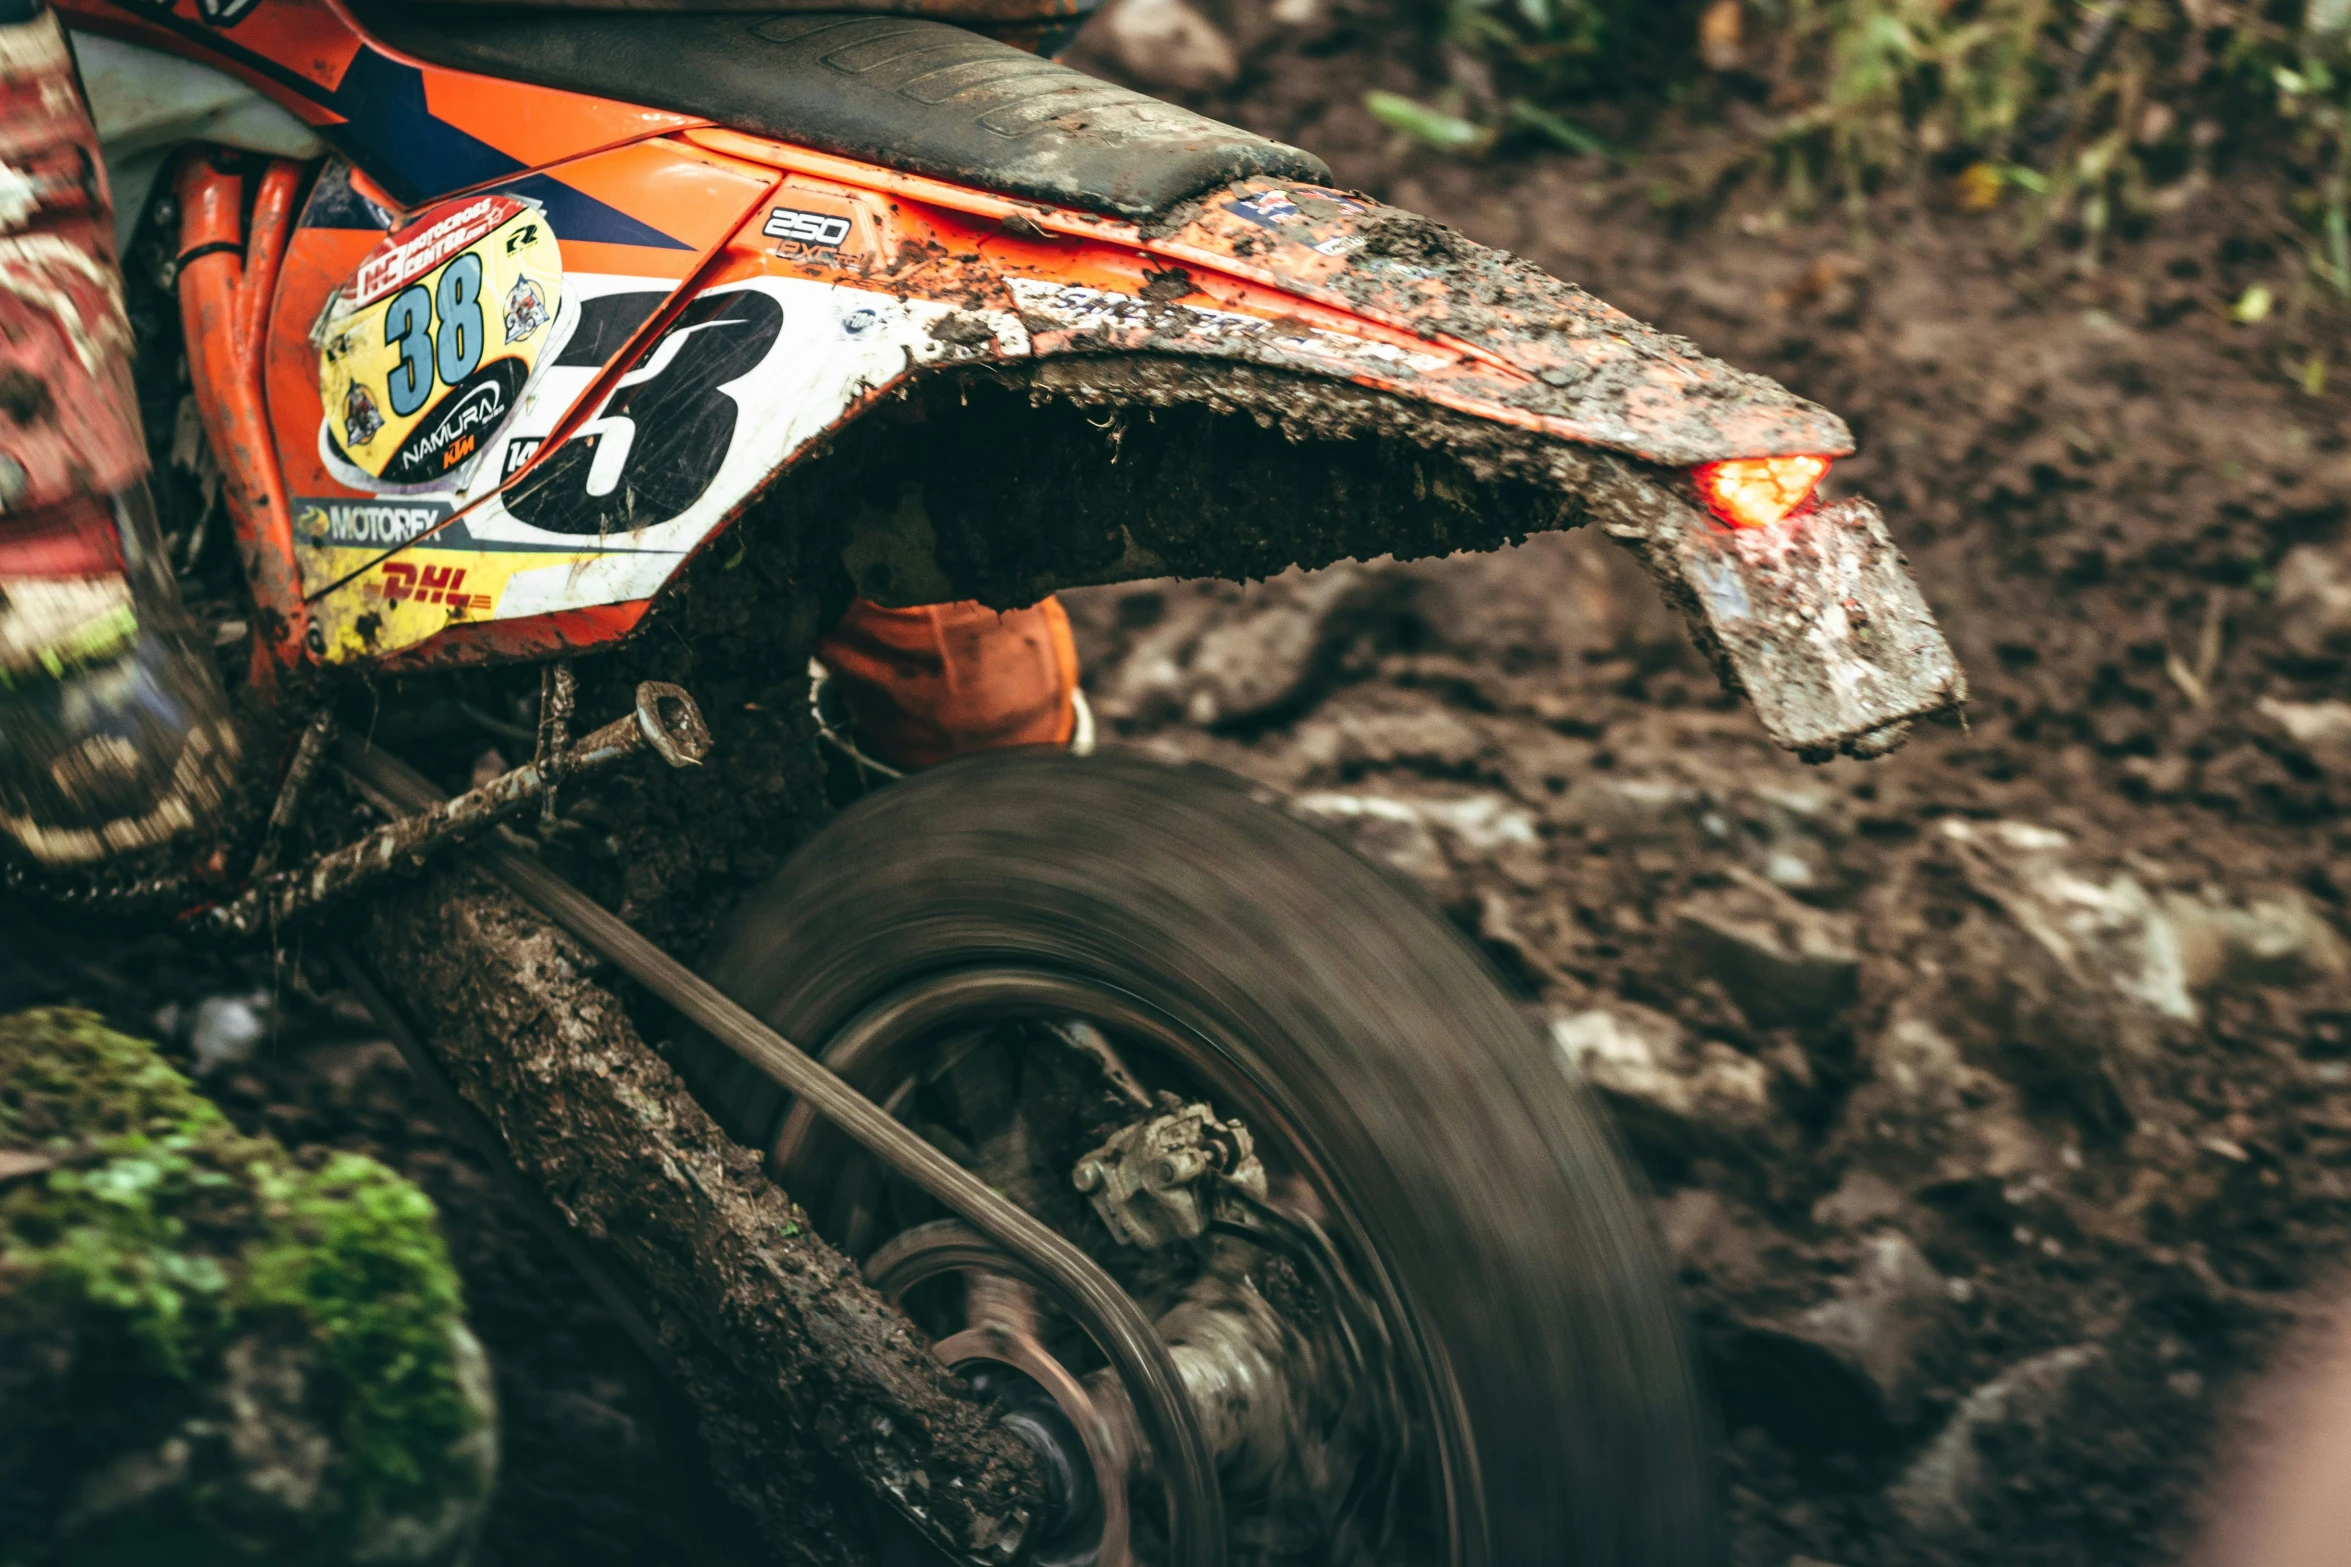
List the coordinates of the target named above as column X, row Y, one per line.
column 210, row 1353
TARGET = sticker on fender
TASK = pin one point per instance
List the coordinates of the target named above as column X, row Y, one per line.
column 824, row 230
column 424, row 354
column 404, row 580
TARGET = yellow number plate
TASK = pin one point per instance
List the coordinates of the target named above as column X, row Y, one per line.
column 426, row 350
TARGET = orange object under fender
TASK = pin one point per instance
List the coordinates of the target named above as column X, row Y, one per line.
column 940, row 680
column 226, row 278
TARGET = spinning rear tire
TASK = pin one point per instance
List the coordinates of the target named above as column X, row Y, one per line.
column 1476, row 1357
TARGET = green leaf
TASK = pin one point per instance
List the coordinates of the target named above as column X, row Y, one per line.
column 1566, row 133
column 2253, row 305
column 1434, row 127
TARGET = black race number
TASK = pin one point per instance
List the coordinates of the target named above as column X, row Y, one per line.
column 677, row 425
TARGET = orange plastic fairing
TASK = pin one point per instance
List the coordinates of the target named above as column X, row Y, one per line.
column 1755, row 492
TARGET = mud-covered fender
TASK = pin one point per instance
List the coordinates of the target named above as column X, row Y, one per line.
column 1816, row 618
column 846, row 285
column 1470, row 327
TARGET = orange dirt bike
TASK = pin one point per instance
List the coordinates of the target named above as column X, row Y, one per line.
column 1217, row 1159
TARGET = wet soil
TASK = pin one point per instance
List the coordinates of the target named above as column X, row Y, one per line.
column 2125, row 508
column 2119, row 501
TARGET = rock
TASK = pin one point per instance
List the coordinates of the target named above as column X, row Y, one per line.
column 226, row 1031
column 2014, row 997
column 2044, row 972
column 1424, row 836
column 1922, row 1115
column 1345, row 740
column 1864, row 1198
column 2312, row 606
column 2108, row 932
column 1673, row 1097
column 1166, row 44
column 1781, row 960
column 1485, row 823
column 1720, row 1242
column 204, row 1342
column 2277, row 939
column 1881, row 1312
column 1638, row 810
column 1779, row 825
column 1497, row 927
column 1845, row 1372
column 1558, row 597
column 1218, row 654
column 1938, row 1493
column 2321, row 731
column 1791, row 821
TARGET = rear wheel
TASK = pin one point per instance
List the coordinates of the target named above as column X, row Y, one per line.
column 1415, row 1301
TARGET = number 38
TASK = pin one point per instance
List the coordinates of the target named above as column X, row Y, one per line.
column 452, row 349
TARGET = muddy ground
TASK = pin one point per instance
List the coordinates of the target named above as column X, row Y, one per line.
column 1994, row 1094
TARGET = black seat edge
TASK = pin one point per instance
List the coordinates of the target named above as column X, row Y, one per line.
column 904, row 92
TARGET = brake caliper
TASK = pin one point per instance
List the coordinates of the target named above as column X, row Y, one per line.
column 1154, row 1182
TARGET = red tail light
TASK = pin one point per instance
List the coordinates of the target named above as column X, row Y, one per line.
column 1755, row 492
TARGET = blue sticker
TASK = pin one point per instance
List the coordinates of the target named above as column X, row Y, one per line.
column 1273, row 208
column 1267, row 209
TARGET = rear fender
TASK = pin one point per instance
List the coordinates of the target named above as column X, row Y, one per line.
column 1816, row 619
column 1488, row 395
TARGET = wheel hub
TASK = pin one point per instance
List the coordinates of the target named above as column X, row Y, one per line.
column 1087, row 1457
column 1281, row 1359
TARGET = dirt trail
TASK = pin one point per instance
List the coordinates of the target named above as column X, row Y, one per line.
column 1994, row 1093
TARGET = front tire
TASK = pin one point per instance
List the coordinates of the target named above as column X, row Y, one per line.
column 1415, row 1111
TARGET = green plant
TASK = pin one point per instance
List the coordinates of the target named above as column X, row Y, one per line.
column 2084, row 105
column 1560, row 49
column 145, row 1244
column 2082, row 110
column 2314, row 96
column 1547, row 54
column 354, row 1257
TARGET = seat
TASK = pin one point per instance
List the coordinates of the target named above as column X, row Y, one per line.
column 904, row 92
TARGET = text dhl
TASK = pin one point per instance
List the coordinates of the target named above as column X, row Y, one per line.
column 403, row 583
